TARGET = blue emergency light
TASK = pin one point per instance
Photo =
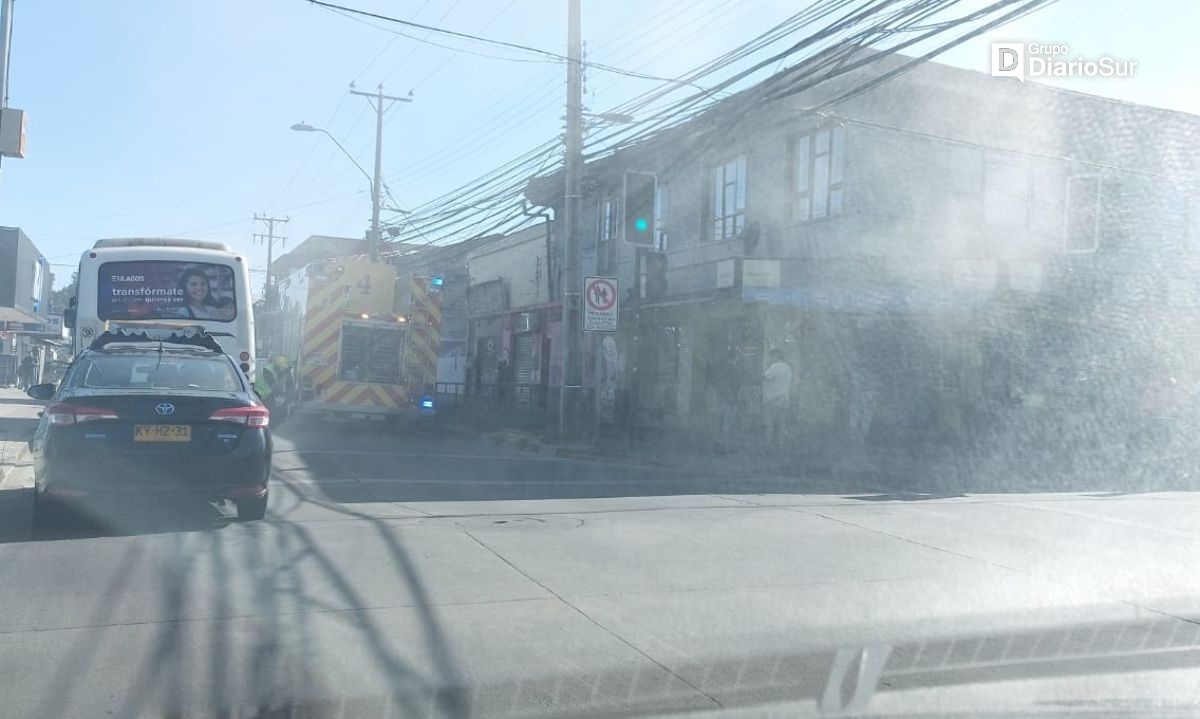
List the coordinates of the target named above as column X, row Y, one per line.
column 437, row 282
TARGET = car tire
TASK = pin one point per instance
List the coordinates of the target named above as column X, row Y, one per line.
column 252, row 509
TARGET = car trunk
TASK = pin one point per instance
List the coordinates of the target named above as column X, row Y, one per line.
column 153, row 424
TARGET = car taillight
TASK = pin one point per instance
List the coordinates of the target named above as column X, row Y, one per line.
column 253, row 416
column 64, row 413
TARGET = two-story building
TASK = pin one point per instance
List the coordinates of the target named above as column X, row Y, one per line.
column 515, row 320
column 25, row 286
column 925, row 253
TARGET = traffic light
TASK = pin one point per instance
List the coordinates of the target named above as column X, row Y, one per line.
column 656, row 275
column 638, row 206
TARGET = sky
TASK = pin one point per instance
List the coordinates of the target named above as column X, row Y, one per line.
column 153, row 118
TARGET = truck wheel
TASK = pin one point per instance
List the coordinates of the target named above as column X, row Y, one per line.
column 251, row 509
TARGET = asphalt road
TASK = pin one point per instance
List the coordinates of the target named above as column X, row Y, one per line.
column 421, row 575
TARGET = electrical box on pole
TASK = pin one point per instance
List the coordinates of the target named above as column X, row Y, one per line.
column 638, row 206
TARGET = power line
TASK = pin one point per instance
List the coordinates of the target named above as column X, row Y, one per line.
column 333, row 115
column 499, row 43
column 242, row 219
column 447, row 60
column 531, row 103
column 388, row 47
column 426, row 41
column 649, row 96
column 845, row 30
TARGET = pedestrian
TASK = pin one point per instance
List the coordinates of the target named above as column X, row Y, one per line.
column 26, row 373
column 777, row 397
column 723, row 396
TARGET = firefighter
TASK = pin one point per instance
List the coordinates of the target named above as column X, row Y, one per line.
column 285, row 380
column 273, row 385
column 264, row 383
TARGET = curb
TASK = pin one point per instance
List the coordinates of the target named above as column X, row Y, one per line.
column 13, row 458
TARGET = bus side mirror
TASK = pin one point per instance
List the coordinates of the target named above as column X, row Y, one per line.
column 69, row 317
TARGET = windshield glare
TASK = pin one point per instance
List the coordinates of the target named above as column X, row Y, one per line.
column 599, row 358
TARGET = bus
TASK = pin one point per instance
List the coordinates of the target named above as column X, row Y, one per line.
column 163, row 283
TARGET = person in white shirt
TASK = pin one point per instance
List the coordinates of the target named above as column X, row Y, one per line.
column 777, row 395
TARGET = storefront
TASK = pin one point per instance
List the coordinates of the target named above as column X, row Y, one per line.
column 514, row 357
column 890, row 366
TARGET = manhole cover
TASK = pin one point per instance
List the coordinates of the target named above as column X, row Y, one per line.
column 518, row 522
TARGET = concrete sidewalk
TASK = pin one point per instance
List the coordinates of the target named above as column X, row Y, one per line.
column 18, row 419
column 813, row 459
column 941, row 470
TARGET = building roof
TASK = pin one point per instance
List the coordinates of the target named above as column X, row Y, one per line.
column 928, row 98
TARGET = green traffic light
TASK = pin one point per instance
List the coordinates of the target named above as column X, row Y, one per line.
column 641, row 225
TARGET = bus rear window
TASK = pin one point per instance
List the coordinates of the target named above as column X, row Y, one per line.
column 166, row 289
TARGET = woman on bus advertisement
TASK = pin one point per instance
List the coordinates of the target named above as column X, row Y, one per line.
column 200, row 301
column 165, row 289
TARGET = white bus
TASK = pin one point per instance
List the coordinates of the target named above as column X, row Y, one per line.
column 161, row 282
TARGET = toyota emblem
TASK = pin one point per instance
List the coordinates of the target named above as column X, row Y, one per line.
column 165, row 408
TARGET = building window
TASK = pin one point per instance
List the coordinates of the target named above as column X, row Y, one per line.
column 1083, row 213
column 728, row 201
column 610, row 224
column 818, row 169
column 662, row 199
column 1007, row 191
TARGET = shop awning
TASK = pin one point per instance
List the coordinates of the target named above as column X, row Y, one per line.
column 17, row 316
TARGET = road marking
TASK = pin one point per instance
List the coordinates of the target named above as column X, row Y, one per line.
column 372, row 453
column 400, row 480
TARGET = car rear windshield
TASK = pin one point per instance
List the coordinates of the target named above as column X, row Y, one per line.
column 157, row 371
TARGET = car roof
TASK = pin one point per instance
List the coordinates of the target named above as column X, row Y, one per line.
column 154, row 349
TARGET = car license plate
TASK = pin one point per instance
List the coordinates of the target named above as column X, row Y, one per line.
column 162, row 433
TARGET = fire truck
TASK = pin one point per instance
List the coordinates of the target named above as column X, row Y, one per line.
column 363, row 341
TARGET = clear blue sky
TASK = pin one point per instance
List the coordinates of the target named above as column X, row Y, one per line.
column 171, row 118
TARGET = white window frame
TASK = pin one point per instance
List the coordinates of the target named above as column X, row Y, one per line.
column 608, row 230
column 821, row 152
column 726, row 213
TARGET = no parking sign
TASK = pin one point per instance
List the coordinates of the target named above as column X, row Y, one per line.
column 600, row 304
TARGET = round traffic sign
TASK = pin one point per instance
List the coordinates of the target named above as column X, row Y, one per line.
column 601, row 294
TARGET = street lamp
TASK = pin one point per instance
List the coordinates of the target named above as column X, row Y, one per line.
column 305, row 127
column 380, row 103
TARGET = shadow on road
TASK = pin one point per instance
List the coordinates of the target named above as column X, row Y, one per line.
column 372, row 463
column 153, row 515
column 365, row 463
column 283, row 572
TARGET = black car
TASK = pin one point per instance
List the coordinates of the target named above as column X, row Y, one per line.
column 135, row 416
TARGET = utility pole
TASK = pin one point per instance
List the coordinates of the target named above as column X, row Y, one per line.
column 377, row 103
column 6, row 19
column 269, row 240
column 572, row 356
